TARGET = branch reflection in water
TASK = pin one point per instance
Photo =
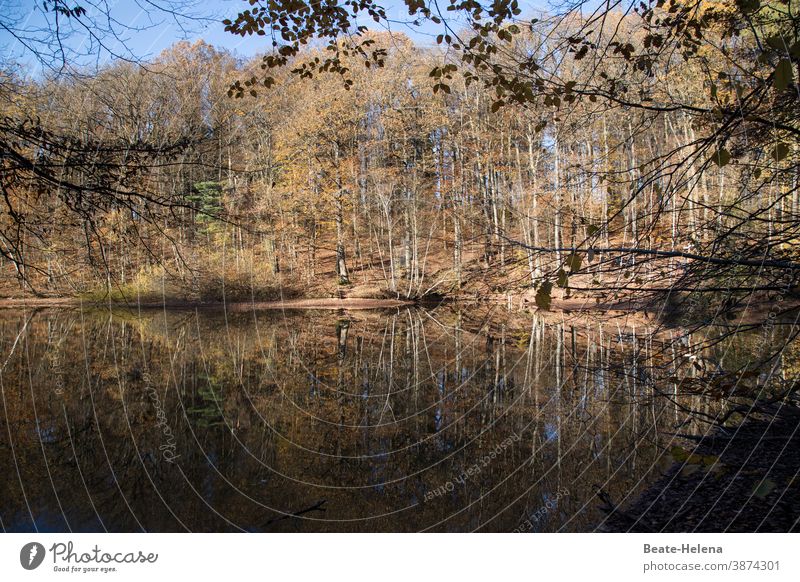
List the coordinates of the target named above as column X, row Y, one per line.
column 330, row 421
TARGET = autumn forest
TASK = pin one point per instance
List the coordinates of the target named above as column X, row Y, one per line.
column 591, row 208
column 407, row 179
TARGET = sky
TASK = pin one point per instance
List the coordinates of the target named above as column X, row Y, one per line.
column 144, row 31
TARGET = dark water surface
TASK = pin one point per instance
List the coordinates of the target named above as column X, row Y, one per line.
column 399, row 420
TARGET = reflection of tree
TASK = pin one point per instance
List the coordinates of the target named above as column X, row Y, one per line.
column 385, row 407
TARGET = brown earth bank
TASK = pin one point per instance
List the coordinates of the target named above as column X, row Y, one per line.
column 307, row 303
column 740, row 479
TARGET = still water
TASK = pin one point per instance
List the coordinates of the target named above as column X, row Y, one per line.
column 401, row 420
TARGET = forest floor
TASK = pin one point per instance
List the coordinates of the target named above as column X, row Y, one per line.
column 486, row 288
column 373, row 284
column 742, row 479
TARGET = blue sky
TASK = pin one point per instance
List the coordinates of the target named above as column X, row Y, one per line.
column 147, row 32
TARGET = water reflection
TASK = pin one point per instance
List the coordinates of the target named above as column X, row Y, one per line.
column 314, row 421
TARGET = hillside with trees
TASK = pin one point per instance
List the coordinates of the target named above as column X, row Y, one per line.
column 613, row 155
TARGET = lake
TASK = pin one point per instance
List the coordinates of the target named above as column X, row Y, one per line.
column 388, row 420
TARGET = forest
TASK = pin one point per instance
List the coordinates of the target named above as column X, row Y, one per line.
column 579, row 223
column 617, row 156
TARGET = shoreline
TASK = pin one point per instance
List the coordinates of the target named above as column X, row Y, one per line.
column 755, row 464
column 305, row 303
column 630, row 312
column 518, row 304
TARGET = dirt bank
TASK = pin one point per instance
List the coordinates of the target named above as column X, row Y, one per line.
column 307, row 303
column 744, row 479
